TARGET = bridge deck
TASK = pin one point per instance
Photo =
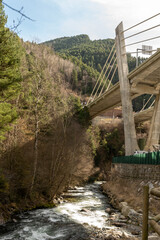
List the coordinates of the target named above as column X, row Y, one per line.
column 144, row 79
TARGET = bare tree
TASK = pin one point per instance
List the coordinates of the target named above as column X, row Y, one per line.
column 18, row 11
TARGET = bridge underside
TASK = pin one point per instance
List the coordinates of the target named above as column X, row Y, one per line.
column 143, row 116
column 108, row 100
column 145, row 79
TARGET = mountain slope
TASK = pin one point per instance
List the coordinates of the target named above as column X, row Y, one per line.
column 93, row 53
column 89, row 57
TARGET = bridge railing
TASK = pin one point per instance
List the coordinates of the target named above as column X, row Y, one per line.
column 152, row 158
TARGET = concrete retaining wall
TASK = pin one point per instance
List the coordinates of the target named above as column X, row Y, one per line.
column 138, row 171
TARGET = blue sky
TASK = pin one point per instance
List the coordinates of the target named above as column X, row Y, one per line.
column 97, row 18
column 58, row 18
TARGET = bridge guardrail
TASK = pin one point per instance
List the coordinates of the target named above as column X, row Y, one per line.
column 152, row 158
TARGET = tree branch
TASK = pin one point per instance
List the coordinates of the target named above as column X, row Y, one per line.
column 18, row 11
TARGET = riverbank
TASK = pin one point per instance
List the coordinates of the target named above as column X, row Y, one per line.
column 127, row 196
column 83, row 214
column 9, row 208
column 88, row 210
column 130, row 191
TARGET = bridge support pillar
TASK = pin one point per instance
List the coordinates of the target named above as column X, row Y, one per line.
column 154, row 131
column 127, row 110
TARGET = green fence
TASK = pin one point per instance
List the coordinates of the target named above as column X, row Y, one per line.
column 145, row 158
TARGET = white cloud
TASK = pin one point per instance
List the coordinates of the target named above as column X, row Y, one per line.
column 127, row 11
column 132, row 12
column 97, row 18
column 105, row 15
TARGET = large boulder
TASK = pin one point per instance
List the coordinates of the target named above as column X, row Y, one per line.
column 128, row 212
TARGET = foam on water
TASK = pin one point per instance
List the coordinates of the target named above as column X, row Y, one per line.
column 67, row 218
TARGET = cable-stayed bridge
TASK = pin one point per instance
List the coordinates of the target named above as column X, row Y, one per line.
column 144, row 79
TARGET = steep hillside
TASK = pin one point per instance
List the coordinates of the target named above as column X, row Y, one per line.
column 68, row 42
column 43, row 129
column 90, row 56
column 87, row 55
column 93, row 53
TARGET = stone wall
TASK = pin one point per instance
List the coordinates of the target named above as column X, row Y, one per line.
column 138, row 171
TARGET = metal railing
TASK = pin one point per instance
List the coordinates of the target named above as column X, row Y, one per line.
column 154, row 221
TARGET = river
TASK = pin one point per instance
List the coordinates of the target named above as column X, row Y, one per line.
column 81, row 219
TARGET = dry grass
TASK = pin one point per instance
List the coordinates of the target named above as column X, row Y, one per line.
column 130, row 191
column 103, row 121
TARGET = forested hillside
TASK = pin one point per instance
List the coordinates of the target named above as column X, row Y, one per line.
column 45, row 135
column 90, row 56
column 93, row 53
column 10, row 50
column 44, row 139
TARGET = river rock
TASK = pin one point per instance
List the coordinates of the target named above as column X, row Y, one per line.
column 129, row 212
column 85, row 210
column 14, row 220
column 108, row 210
column 133, row 214
column 55, row 201
column 125, row 211
column 134, row 232
column 140, row 211
column 124, row 208
column 122, row 204
column 122, row 217
column 153, row 238
column 118, row 224
column 110, row 237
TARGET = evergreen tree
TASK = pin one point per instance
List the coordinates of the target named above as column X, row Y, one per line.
column 74, row 78
column 9, row 74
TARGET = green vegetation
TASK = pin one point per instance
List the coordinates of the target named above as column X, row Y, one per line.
column 10, row 50
column 68, row 42
column 81, row 112
column 44, row 142
column 111, row 144
column 83, row 76
column 45, row 132
column 3, row 184
column 89, row 58
column 93, row 53
column 46, row 148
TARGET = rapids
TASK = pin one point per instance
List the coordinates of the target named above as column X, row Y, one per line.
column 68, row 221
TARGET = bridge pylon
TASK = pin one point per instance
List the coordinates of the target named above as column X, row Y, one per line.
column 127, row 109
column 154, row 131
